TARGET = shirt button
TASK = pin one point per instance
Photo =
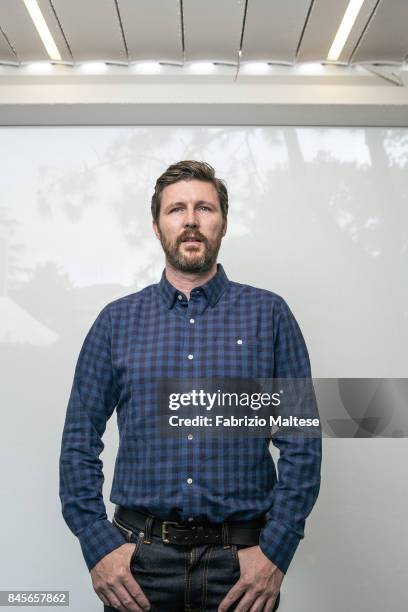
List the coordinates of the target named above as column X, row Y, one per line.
column 189, row 481
column 190, row 518
column 191, row 356
column 191, row 320
column 190, row 436
column 239, row 341
column 179, row 297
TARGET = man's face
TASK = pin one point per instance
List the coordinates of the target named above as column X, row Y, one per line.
column 190, row 225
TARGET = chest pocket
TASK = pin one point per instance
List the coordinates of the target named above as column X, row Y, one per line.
column 235, row 354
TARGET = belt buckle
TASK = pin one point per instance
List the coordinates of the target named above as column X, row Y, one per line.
column 165, row 531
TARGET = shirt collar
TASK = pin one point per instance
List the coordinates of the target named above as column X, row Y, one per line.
column 212, row 289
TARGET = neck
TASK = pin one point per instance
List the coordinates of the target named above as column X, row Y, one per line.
column 186, row 281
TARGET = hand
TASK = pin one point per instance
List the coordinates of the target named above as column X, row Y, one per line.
column 258, row 585
column 114, row 583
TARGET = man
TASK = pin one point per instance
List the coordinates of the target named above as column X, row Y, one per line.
column 200, row 524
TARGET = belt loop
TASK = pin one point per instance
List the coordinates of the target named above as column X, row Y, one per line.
column 225, row 535
column 148, row 529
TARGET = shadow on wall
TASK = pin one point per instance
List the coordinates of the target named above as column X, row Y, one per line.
column 322, row 210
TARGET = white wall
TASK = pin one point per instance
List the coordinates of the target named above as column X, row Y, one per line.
column 318, row 215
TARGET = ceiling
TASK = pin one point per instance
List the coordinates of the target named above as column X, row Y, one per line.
column 180, row 31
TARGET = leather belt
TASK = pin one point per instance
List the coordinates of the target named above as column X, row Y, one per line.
column 172, row 532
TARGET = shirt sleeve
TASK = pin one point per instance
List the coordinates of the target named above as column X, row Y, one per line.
column 92, row 401
column 299, row 462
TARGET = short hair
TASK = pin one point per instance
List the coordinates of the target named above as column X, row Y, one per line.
column 188, row 170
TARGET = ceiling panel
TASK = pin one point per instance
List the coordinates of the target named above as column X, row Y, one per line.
column 363, row 18
column 273, row 29
column 324, row 21
column 212, row 29
column 152, row 29
column 6, row 54
column 92, row 29
column 19, row 28
column 386, row 38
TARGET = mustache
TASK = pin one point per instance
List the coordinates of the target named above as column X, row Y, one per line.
column 196, row 235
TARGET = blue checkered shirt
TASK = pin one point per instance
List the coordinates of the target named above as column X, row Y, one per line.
column 157, row 332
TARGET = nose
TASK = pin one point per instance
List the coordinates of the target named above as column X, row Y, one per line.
column 191, row 224
column 191, row 219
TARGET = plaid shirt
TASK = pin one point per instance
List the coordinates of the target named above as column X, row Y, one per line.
column 155, row 333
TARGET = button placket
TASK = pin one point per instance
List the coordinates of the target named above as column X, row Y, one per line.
column 191, row 325
column 192, row 359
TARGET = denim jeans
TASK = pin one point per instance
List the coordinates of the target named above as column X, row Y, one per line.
column 183, row 578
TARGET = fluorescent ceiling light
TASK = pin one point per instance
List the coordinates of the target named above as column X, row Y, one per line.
column 39, row 68
column 147, row 67
column 93, row 68
column 255, row 67
column 344, row 30
column 201, row 67
column 42, row 29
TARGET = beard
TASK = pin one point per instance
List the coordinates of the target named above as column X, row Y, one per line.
column 198, row 259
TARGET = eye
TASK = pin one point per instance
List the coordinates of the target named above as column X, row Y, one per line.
column 175, row 209
column 205, row 207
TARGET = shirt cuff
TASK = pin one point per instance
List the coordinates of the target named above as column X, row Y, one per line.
column 98, row 540
column 279, row 544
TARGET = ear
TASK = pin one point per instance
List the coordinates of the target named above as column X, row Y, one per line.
column 156, row 229
column 224, row 230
